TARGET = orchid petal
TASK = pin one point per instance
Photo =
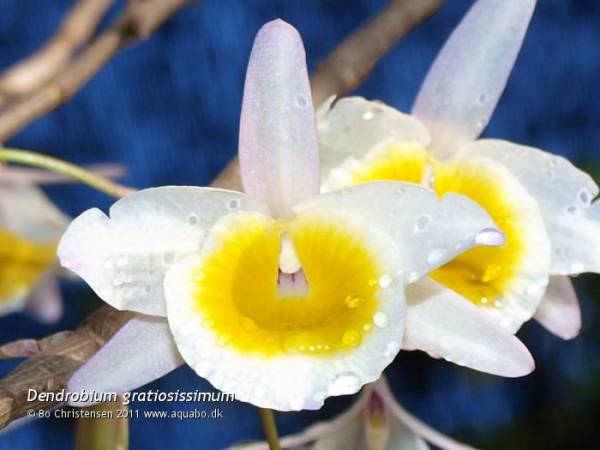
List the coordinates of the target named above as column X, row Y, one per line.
column 559, row 311
column 443, row 324
column 352, row 126
column 214, row 339
column 27, row 212
column 45, row 302
column 140, row 352
column 279, row 154
column 124, row 257
column 429, row 231
column 564, row 196
column 467, row 78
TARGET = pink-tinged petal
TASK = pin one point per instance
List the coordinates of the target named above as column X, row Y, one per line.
column 278, row 142
column 45, row 302
column 140, row 352
column 559, row 310
column 444, row 324
column 466, row 80
column 414, row 425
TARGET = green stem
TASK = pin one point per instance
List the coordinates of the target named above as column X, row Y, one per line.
column 268, row 421
column 55, row 165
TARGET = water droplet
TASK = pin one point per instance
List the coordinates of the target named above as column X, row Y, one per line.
column 366, row 327
column 119, row 279
column 319, row 397
column 549, row 174
column 484, row 300
column 491, row 273
column 296, row 404
column 380, row 319
column 585, row 197
column 571, row 209
column 248, row 324
column 435, row 257
column 344, row 383
column 198, row 277
column 483, row 98
column 422, row 224
column 260, row 391
column 577, row 268
column 224, row 339
column 234, row 203
column 351, row 338
column 353, row 301
column 121, row 262
column 192, row 219
column 391, row 349
column 385, row 281
column 412, row 277
column 301, row 101
column 368, row 115
column 168, row 258
column 204, row 368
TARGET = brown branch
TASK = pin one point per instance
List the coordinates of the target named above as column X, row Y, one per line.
column 354, row 58
column 53, row 366
column 76, row 29
column 138, row 21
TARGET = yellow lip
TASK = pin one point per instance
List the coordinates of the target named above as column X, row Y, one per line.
column 238, row 295
column 21, row 264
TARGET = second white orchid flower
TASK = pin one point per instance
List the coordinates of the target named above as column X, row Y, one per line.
column 540, row 201
column 281, row 296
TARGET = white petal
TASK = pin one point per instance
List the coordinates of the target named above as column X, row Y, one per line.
column 289, row 379
column 564, row 196
column 466, row 80
column 428, row 230
column 559, row 310
column 124, row 258
column 444, row 324
column 45, row 302
column 28, row 213
column 353, row 126
column 140, row 352
column 412, row 423
column 279, row 155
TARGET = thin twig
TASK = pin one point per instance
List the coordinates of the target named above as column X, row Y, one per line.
column 76, row 29
column 13, row 174
column 354, row 58
column 138, row 21
column 268, row 420
column 65, row 168
column 45, row 372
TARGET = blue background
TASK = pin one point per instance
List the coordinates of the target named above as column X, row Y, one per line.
column 169, row 108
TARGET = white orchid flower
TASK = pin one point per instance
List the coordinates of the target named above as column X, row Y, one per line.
column 30, row 227
column 541, row 201
column 376, row 421
column 280, row 295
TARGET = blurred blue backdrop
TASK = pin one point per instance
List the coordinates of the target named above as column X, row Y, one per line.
column 168, row 109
